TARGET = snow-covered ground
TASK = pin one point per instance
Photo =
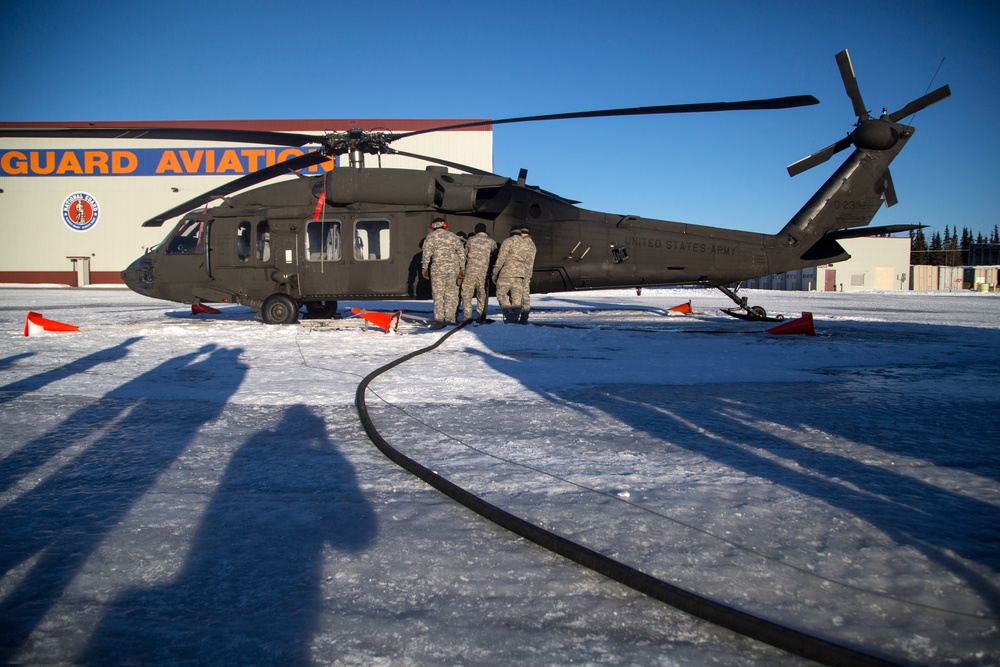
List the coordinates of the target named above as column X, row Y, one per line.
column 198, row 490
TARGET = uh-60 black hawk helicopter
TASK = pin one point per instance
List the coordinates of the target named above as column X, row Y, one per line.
column 353, row 233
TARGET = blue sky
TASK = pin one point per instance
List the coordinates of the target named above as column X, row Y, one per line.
column 184, row 60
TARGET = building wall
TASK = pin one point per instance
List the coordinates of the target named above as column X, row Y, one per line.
column 44, row 181
column 876, row 263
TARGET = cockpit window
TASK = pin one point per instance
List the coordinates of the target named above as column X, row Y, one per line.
column 186, row 240
column 371, row 239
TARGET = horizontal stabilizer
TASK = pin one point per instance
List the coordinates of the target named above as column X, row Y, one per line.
column 872, row 231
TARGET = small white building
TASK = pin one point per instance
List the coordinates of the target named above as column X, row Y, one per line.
column 876, row 263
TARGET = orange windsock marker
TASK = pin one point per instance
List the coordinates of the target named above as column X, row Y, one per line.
column 202, row 309
column 803, row 326
column 34, row 323
column 683, row 308
column 382, row 320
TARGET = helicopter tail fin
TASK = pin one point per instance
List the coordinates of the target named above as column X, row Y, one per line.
column 850, row 198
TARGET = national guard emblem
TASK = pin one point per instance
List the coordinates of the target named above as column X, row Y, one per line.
column 80, row 211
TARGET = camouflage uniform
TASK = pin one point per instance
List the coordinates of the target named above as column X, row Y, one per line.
column 479, row 250
column 512, row 274
column 444, row 257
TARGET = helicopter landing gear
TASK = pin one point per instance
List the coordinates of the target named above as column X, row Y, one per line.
column 750, row 313
column 322, row 310
column 279, row 309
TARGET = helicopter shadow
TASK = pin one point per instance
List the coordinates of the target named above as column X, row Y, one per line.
column 249, row 591
column 226, row 314
column 50, row 530
column 746, row 427
column 76, row 367
column 8, row 362
column 33, row 455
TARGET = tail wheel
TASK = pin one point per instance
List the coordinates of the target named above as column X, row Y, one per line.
column 279, row 309
column 321, row 310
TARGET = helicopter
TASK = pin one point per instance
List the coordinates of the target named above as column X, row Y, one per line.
column 355, row 233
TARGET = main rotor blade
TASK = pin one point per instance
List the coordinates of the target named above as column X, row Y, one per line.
column 444, row 163
column 746, row 105
column 265, row 174
column 179, row 133
column 819, row 157
column 920, row 103
column 851, row 84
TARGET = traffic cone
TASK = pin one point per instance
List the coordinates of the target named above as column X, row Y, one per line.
column 684, row 308
column 803, row 326
column 381, row 320
column 202, row 309
column 35, row 323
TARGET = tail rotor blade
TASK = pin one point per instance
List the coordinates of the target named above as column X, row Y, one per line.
column 851, row 84
column 819, row 157
column 920, row 103
column 890, row 190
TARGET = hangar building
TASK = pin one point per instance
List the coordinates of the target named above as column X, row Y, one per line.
column 71, row 210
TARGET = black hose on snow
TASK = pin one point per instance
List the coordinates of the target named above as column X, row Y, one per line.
column 785, row 638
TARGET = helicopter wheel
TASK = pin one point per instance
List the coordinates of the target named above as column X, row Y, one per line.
column 757, row 312
column 279, row 309
column 321, row 310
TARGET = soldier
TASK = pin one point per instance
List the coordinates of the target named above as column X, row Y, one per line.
column 512, row 275
column 479, row 249
column 529, row 265
column 443, row 262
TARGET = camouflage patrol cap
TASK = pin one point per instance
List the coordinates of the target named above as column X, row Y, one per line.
column 524, row 230
column 480, row 227
column 515, row 232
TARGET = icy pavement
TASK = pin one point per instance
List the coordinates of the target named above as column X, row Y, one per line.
column 199, row 491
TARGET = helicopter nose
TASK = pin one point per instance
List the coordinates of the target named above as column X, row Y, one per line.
column 139, row 276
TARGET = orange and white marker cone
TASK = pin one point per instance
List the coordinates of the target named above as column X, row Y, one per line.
column 381, row 320
column 34, row 323
column 684, row 308
column 202, row 309
column 803, row 326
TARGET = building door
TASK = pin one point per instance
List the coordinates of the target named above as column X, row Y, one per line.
column 830, row 280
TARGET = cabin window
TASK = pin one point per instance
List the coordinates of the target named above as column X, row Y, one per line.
column 243, row 241
column 371, row 239
column 186, row 240
column 263, row 241
column 323, row 240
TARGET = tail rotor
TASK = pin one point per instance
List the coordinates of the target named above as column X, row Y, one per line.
column 871, row 134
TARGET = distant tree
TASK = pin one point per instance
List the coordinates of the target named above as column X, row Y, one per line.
column 918, row 248
column 965, row 243
column 953, row 252
column 936, row 247
column 979, row 238
column 995, row 238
